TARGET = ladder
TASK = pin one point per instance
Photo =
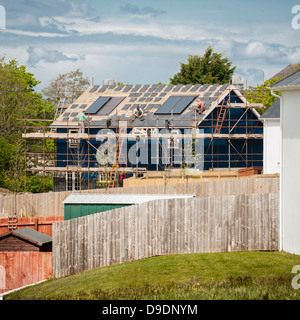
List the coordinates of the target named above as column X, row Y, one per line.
column 221, row 117
column 115, row 166
column 12, row 222
column 59, row 108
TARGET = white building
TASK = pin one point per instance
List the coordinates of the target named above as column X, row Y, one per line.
column 272, row 138
column 290, row 160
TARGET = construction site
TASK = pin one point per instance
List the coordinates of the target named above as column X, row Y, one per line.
column 112, row 147
column 175, row 181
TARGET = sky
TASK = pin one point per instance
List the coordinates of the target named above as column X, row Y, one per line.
column 144, row 42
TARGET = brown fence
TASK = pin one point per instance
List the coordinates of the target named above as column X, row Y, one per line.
column 177, row 226
column 41, row 224
column 51, row 204
column 18, row 269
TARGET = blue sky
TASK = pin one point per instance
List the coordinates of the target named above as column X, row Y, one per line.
column 143, row 42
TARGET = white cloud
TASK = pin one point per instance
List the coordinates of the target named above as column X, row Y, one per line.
column 136, row 10
column 37, row 54
column 115, row 46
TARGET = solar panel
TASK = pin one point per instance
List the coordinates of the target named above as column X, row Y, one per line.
column 110, row 106
column 74, row 106
column 74, row 114
column 168, row 105
column 182, row 104
column 94, row 88
column 175, row 105
column 103, row 88
column 83, row 106
column 97, row 105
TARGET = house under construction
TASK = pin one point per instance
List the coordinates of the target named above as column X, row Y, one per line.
column 111, row 144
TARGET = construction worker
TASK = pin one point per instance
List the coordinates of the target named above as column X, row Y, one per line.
column 82, row 118
column 200, row 107
column 138, row 113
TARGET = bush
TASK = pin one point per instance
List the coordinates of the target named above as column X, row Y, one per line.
column 35, row 184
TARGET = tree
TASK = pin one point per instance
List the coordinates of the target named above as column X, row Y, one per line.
column 211, row 68
column 68, row 85
column 262, row 94
column 18, row 100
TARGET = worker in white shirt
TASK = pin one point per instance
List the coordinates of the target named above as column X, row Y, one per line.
column 138, row 113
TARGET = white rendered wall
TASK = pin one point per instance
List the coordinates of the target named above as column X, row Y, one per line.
column 290, row 184
column 272, row 141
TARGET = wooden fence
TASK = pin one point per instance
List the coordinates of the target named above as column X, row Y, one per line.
column 51, row 204
column 41, row 224
column 177, row 226
column 18, row 269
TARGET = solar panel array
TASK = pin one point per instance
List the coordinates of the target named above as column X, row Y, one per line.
column 158, row 101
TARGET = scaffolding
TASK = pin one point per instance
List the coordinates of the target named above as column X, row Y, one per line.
column 84, row 159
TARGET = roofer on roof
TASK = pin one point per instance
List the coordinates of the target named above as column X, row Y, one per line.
column 200, row 106
column 82, row 117
column 138, row 113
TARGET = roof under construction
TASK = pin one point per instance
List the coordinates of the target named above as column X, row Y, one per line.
column 158, row 102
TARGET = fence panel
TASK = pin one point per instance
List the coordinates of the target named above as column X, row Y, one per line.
column 41, row 224
column 177, row 226
column 18, row 269
column 33, row 205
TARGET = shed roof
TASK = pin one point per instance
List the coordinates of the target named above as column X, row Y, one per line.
column 118, row 198
column 29, row 235
column 273, row 112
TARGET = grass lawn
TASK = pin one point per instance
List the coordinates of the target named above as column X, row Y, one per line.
column 239, row 275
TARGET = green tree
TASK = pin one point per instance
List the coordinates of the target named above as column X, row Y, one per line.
column 18, row 98
column 18, row 101
column 262, row 94
column 210, row 68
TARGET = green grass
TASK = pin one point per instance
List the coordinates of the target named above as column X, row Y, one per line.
column 239, row 275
